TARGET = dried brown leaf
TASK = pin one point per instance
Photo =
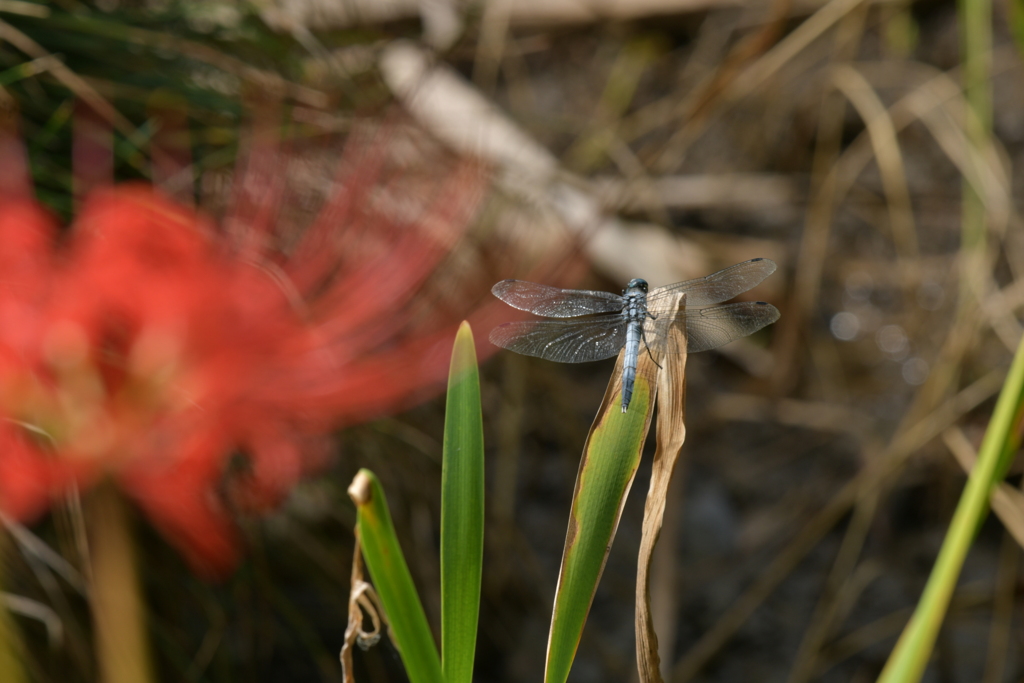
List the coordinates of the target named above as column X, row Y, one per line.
column 362, row 603
column 671, row 432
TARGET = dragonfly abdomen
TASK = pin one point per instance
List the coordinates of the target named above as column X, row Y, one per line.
column 629, row 362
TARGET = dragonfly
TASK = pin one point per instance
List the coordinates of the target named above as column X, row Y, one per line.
column 594, row 325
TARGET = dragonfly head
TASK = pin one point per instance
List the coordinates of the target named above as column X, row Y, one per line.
column 636, row 285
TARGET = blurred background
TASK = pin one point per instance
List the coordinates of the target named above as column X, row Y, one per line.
column 364, row 171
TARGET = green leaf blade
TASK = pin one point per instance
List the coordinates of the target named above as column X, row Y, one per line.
column 462, row 513
column 392, row 580
column 611, row 458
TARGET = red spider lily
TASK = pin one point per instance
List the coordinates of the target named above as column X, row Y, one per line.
column 148, row 346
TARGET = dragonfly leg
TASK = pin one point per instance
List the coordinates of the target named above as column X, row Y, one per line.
column 643, row 336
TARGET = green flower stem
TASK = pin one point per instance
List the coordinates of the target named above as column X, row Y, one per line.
column 910, row 657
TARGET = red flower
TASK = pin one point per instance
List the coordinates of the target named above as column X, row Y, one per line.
column 150, row 347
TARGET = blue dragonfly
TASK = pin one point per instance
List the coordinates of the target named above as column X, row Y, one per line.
column 594, row 325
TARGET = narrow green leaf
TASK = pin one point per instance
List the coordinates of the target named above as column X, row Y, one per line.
column 610, row 460
column 910, row 657
column 1017, row 23
column 391, row 578
column 462, row 512
column 11, row 670
column 22, row 71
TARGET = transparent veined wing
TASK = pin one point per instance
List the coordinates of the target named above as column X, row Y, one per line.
column 563, row 341
column 709, row 328
column 717, row 287
column 553, row 302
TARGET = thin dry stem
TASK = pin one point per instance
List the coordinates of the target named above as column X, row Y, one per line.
column 362, row 604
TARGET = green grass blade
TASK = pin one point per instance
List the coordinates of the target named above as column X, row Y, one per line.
column 462, row 512
column 910, row 657
column 610, row 459
column 391, row 578
column 11, row 670
column 1016, row 12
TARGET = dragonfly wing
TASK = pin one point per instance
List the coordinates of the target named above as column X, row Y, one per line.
column 717, row 287
column 709, row 328
column 563, row 341
column 552, row 302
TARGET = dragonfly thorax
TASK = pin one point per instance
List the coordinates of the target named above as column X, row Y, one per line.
column 635, row 300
